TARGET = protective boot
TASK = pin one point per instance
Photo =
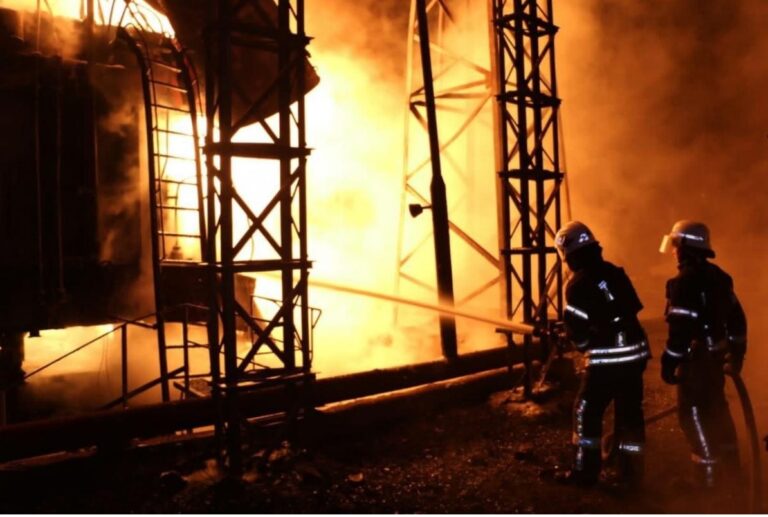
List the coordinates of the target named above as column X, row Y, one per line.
column 705, row 471
column 586, row 468
column 631, row 467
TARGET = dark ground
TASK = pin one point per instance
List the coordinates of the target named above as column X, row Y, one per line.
column 487, row 456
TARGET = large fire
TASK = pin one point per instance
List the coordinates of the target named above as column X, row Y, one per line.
column 355, row 125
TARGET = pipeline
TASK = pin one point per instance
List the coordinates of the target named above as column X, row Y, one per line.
column 34, row 438
column 519, row 328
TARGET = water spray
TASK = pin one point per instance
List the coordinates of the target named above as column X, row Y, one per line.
column 519, row 328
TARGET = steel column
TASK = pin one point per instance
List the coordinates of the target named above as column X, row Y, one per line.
column 460, row 88
column 234, row 29
column 528, row 148
column 437, row 191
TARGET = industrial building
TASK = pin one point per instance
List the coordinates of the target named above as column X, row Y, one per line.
column 184, row 259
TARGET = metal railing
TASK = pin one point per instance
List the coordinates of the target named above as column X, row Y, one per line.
column 122, row 326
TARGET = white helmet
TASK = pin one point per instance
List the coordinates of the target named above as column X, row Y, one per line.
column 573, row 236
column 688, row 234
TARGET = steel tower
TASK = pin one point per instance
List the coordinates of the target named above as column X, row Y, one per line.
column 528, row 159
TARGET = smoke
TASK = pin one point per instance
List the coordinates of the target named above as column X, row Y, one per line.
column 356, row 118
column 665, row 119
column 663, row 122
column 355, row 122
column 57, row 32
column 91, row 377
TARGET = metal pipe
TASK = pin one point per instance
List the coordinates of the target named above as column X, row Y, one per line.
column 59, row 211
column 210, row 257
column 64, row 433
column 38, row 184
column 124, row 364
column 286, row 212
column 301, row 79
column 185, row 347
column 232, row 430
column 437, row 191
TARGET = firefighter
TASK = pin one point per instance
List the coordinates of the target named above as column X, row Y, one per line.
column 601, row 321
column 707, row 337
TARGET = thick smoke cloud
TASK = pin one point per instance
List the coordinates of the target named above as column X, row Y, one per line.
column 666, row 117
column 664, row 120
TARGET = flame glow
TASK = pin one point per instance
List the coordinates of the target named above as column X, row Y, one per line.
column 355, row 123
column 107, row 12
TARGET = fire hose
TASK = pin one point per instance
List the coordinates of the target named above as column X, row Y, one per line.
column 756, row 478
column 756, row 487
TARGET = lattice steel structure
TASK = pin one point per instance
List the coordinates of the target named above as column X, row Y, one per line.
column 528, row 159
column 462, row 88
column 239, row 26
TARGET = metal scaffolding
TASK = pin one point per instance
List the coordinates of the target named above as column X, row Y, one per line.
column 528, row 159
column 284, row 335
column 460, row 87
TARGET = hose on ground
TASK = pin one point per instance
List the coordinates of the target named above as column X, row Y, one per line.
column 756, row 485
column 756, row 478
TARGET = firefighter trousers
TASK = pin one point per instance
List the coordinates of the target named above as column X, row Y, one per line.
column 705, row 416
column 601, row 384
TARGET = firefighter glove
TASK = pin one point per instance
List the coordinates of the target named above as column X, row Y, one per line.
column 668, row 366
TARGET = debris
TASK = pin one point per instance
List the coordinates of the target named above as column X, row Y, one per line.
column 209, row 474
column 524, row 452
column 172, row 481
column 250, row 476
column 308, row 473
column 278, row 454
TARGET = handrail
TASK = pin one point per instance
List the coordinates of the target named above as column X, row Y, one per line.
column 71, row 352
column 122, row 399
column 123, row 323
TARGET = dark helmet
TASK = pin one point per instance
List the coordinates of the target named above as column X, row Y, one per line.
column 573, row 236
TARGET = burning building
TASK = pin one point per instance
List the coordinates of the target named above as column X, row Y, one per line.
column 100, row 151
column 161, row 160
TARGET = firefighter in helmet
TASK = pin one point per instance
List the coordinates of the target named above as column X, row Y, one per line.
column 601, row 321
column 707, row 338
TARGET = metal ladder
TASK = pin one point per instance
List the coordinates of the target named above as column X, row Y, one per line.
column 177, row 198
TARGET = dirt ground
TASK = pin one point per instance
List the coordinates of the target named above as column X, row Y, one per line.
column 496, row 455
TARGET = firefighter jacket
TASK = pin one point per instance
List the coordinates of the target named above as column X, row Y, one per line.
column 601, row 316
column 703, row 308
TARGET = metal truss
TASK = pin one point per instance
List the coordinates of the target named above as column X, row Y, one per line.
column 462, row 89
column 528, row 159
column 241, row 26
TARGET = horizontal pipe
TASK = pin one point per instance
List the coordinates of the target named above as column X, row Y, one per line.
column 120, row 426
column 355, row 385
